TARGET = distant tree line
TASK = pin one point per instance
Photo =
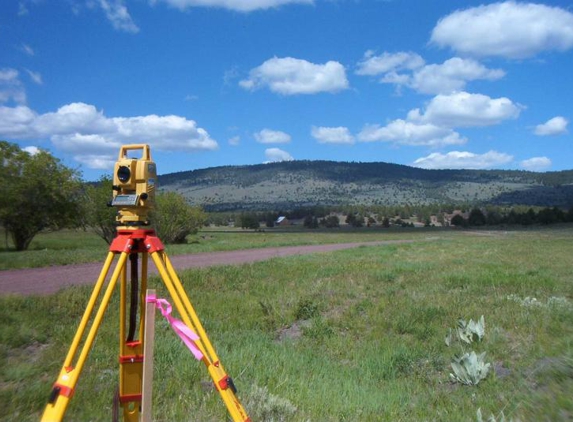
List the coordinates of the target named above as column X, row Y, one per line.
column 363, row 216
column 543, row 216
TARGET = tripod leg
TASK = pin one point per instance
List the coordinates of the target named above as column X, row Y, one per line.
column 132, row 348
column 222, row 381
column 64, row 387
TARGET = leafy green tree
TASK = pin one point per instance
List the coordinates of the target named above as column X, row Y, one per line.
column 493, row 218
column 310, row 222
column 458, row 221
column 174, row 219
column 355, row 220
column 39, row 193
column 270, row 219
column 330, row 222
column 249, row 221
column 99, row 216
column 476, row 218
column 528, row 218
column 569, row 215
column 551, row 216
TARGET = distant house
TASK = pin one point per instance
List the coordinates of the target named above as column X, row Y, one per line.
column 282, row 221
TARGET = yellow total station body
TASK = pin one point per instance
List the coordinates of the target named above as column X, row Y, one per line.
column 134, row 183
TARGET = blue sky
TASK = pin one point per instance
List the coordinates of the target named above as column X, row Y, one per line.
column 433, row 84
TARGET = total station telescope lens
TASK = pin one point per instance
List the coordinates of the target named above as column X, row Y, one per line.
column 123, row 174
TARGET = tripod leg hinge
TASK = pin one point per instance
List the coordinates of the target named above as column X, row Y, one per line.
column 227, row 382
column 128, row 398
column 60, row 390
column 131, row 359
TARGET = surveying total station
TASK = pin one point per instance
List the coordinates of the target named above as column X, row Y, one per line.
column 134, row 186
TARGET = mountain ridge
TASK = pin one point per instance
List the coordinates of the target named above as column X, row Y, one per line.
column 300, row 183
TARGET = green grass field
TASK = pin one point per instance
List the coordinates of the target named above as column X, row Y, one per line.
column 77, row 246
column 343, row 336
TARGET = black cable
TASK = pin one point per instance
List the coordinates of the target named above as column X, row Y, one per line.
column 134, row 297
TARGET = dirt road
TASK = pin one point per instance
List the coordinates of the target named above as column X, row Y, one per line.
column 41, row 281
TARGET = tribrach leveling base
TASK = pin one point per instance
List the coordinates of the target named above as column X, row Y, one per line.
column 134, row 192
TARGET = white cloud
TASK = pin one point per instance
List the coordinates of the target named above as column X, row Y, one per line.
column 22, row 9
column 31, row 150
column 290, row 76
column 462, row 109
column 238, row 5
column 536, row 164
column 554, row 126
column 16, row 122
column 11, row 87
column 332, row 135
column 509, row 29
column 35, row 76
column 403, row 132
column 118, row 15
column 71, row 119
column 388, row 62
column 268, row 136
column 82, row 130
column 27, row 49
column 451, row 76
column 274, row 155
column 463, row 160
column 234, row 141
column 408, row 69
column 98, row 162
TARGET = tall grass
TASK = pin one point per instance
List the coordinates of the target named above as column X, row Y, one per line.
column 350, row 335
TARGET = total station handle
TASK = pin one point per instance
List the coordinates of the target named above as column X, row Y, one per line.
column 145, row 154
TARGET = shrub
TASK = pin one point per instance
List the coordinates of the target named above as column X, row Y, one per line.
column 174, row 219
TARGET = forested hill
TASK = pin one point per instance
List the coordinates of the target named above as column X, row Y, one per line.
column 292, row 184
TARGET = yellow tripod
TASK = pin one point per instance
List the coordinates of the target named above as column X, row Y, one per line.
column 134, row 243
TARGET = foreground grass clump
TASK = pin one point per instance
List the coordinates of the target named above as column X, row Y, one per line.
column 352, row 335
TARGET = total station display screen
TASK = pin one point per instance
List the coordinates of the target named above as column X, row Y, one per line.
column 125, row 200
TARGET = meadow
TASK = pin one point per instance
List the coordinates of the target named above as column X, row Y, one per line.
column 353, row 335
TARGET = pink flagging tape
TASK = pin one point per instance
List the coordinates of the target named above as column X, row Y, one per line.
column 185, row 333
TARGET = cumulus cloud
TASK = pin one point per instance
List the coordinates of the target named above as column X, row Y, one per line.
column 238, row 5
column 554, row 126
column 509, row 29
column 402, row 132
column 536, row 164
column 274, row 155
column 462, row 109
column 290, row 76
column 373, row 65
column 16, row 122
column 94, row 138
column 463, row 160
column 11, row 88
column 409, row 70
column 451, row 76
column 32, row 150
column 118, row 15
column 268, row 136
column 332, row 135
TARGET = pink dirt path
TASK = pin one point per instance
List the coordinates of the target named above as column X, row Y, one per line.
column 48, row 280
